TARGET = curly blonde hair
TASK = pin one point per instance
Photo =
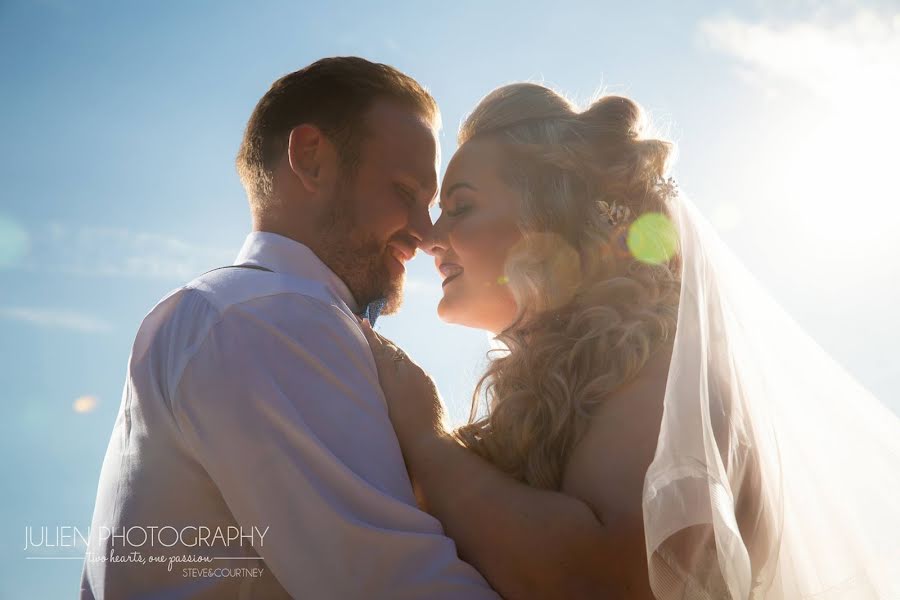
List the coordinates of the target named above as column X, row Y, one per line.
column 590, row 313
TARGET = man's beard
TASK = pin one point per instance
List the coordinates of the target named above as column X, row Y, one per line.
column 357, row 257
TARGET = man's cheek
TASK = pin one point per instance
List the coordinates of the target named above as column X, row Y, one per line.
column 387, row 226
column 370, row 209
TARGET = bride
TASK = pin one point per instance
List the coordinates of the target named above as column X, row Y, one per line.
column 655, row 426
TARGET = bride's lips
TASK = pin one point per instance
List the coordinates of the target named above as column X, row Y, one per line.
column 449, row 271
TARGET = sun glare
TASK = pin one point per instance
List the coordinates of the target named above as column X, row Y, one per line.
column 826, row 161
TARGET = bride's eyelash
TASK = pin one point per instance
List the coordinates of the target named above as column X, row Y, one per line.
column 458, row 210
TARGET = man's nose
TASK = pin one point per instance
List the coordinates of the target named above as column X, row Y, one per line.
column 420, row 226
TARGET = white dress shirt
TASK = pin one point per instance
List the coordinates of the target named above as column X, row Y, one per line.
column 252, row 401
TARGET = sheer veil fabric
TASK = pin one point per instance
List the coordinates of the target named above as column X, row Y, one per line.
column 776, row 475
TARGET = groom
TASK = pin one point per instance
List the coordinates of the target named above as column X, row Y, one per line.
column 252, row 456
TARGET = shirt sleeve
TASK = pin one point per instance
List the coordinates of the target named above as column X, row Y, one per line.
column 287, row 418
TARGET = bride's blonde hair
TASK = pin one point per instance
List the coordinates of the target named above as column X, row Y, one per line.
column 589, row 313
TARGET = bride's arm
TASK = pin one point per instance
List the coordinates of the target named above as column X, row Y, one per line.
column 527, row 542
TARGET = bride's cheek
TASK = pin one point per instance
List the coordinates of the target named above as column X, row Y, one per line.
column 476, row 242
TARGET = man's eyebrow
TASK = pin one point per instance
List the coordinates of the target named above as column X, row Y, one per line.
column 447, row 192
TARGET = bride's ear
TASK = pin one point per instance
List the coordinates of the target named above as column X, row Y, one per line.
column 312, row 157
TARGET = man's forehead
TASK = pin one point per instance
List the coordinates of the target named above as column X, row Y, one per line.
column 401, row 139
column 387, row 117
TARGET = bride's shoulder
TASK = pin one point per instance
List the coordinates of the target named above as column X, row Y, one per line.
column 607, row 466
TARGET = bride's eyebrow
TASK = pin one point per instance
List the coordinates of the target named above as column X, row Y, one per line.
column 447, row 192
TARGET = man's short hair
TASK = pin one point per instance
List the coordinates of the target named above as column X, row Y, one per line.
column 332, row 93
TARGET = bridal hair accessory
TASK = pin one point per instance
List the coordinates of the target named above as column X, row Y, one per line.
column 669, row 188
column 615, row 213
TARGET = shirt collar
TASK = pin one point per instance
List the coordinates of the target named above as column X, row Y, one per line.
column 284, row 255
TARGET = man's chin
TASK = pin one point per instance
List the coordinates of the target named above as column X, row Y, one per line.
column 394, row 278
column 393, row 294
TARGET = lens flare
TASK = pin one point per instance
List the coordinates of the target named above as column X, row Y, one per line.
column 13, row 242
column 84, row 404
column 548, row 257
column 652, row 238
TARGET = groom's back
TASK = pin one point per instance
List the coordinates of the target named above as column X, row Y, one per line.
column 151, row 477
column 251, row 409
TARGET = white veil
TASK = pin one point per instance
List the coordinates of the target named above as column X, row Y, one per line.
column 776, row 474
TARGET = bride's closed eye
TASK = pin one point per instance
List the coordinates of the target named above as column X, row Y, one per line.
column 459, row 208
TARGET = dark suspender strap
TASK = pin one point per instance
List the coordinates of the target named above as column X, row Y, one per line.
column 257, row 267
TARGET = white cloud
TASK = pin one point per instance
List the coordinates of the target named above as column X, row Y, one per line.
column 118, row 252
column 832, row 58
column 52, row 318
column 422, row 289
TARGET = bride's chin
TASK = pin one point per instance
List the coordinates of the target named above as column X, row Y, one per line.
column 448, row 311
column 445, row 312
column 455, row 316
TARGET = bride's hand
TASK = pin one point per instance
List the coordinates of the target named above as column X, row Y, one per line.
column 414, row 404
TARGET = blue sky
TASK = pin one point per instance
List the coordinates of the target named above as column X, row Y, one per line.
column 120, row 121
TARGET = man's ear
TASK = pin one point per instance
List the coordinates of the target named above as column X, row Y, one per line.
column 312, row 156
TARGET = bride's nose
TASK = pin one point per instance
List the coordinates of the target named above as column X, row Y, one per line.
column 434, row 242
